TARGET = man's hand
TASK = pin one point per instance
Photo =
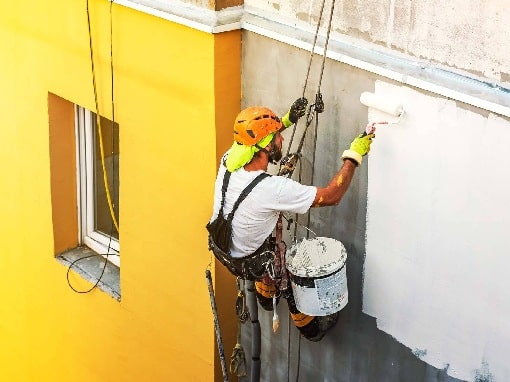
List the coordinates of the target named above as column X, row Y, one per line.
column 296, row 111
column 360, row 147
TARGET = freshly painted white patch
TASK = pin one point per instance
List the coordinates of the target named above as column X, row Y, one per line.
column 438, row 220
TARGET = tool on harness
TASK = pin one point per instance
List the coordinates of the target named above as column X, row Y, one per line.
column 276, row 318
column 250, row 267
column 241, row 308
column 238, row 357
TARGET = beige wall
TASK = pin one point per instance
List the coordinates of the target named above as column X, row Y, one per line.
column 467, row 36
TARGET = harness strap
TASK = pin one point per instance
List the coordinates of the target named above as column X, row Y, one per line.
column 251, row 267
column 226, row 179
column 244, row 194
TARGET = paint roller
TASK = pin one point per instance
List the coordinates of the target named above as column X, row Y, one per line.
column 386, row 106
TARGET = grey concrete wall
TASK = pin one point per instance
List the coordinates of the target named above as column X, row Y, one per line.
column 417, row 311
column 355, row 350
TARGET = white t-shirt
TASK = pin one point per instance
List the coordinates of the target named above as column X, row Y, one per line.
column 257, row 215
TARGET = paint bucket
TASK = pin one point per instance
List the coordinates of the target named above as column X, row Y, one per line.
column 318, row 275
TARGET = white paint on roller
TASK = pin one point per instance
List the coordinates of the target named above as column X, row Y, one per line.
column 437, row 257
column 382, row 103
column 321, row 261
column 382, row 110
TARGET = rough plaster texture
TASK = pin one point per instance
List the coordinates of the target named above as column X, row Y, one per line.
column 465, row 36
column 437, row 228
column 356, row 349
column 210, row 4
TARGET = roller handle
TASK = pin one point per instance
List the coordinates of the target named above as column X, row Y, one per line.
column 370, row 129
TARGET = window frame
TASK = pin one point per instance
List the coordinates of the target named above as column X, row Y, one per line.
column 87, row 235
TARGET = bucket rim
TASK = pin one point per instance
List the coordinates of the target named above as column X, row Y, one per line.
column 329, row 255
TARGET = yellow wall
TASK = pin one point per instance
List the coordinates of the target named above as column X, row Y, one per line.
column 168, row 101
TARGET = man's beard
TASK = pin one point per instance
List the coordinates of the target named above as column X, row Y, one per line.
column 275, row 154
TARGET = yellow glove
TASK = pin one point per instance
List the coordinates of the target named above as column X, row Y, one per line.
column 360, row 147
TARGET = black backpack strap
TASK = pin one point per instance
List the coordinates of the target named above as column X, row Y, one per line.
column 245, row 193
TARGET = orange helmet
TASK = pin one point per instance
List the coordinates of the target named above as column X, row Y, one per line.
column 255, row 123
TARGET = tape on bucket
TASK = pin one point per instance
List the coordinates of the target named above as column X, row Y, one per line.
column 318, row 275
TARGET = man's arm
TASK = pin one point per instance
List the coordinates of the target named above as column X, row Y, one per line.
column 337, row 187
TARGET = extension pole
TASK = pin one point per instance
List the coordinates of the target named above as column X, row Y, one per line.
column 217, row 325
column 251, row 301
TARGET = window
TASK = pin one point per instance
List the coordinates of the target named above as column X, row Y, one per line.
column 96, row 204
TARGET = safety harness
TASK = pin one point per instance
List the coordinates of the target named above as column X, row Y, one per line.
column 252, row 267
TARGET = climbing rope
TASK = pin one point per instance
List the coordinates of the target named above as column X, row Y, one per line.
column 308, row 69
column 318, row 106
column 290, row 161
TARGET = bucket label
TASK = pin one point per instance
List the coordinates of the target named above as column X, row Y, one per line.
column 332, row 291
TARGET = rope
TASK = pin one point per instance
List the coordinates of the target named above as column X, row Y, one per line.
column 313, row 46
column 288, row 347
column 312, row 50
column 293, row 160
column 326, row 44
column 308, row 221
column 299, row 358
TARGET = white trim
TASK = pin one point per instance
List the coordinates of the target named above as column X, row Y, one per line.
column 199, row 18
column 365, row 56
column 88, row 175
column 79, row 208
column 103, row 250
column 95, row 240
column 387, row 64
column 110, row 246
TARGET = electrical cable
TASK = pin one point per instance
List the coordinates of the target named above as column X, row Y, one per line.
column 105, row 177
column 98, row 118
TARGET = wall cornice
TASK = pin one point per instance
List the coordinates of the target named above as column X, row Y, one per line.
column 385, row 62
column 180, row 12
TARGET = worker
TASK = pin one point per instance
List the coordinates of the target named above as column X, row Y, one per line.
column 247, row 247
